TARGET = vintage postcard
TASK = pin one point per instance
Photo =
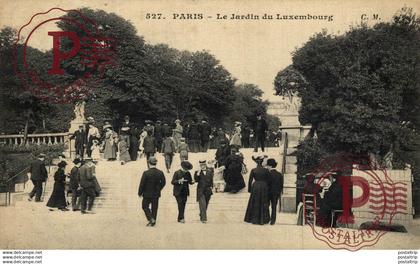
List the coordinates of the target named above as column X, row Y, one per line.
column 219, row 124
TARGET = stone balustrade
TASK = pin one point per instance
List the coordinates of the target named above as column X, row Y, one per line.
column 44, row 138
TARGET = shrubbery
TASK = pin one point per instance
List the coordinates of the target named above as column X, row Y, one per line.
column 15, row 158
column 309, row 153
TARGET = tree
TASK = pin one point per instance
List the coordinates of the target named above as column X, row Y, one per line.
column 247, row 104
column 145, row 82
column 360, row 88
column 22, row 111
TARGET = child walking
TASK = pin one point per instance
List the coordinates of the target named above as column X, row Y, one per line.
column 95, row 150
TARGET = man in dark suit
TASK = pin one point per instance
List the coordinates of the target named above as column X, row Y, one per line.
column 149, row 145
column 158, row 135
column 181, row 180
column 166, row 130
column 87, row 182
column 74, row 184
column 245, row 133
column 80, row 141
column 151, row 184
column 205, row 131
column 38, row 174
column 204, row 178
column 333, row 200
column 260, row 133
column 275, row 188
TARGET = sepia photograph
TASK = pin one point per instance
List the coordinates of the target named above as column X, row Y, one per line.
column 209, row 125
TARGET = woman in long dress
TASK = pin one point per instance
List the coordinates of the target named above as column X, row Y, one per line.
column 177, row 133
column 57, row 198
column 236, row 137
column 110, row 149
column 257, row 211
column 123, row 148
column 233, row 172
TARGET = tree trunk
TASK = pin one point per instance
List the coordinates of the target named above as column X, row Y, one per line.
column 25, row 132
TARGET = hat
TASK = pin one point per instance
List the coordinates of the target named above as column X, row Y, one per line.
column 158, row 122
column 125, row 128
column 90, row 119
column 202, row 162
column 272, row 163
column 41, row 155
column 81, row 126
column 238, row 123
column 177, row 121
column 107, row 126
column 186, row 165
column 152, row 160
column 88, row 159
column 182, row 139
column 258, row 159
column 77, row 161
column 148, row 122
column 126, row 117
column 62, row 164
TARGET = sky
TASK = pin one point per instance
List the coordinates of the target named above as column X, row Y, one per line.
column 253, row 51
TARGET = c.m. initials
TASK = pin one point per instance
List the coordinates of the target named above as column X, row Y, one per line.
column 367, row 17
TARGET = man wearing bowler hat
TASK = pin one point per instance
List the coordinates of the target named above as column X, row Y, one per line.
column 204, row 178
column 181, row 180
column 275, row 189
column 80, row 141
column 151, row 184
column 74, row 184
column 38, row 174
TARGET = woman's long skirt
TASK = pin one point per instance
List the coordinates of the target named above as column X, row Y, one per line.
column 57, row 199
column 257, row 211
column 234, row 179
column 110, row 151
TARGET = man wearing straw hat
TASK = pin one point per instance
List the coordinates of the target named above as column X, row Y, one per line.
column 181, row 180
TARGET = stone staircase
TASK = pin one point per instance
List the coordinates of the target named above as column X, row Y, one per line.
column 120, row 184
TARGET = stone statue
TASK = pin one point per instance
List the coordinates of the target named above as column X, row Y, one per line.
column 79, row 111
column 291, row 104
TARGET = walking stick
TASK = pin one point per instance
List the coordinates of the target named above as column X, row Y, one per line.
column 43, row 191
column 45, row 185
column 280, row 203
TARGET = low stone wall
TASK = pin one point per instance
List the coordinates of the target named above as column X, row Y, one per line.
column 390, row 197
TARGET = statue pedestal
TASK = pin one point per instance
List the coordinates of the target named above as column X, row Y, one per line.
column 287, row 110
column 74, row 125
column 79, row 111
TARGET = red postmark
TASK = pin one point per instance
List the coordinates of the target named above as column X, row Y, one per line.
column 367, row 194
column 92, row 53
